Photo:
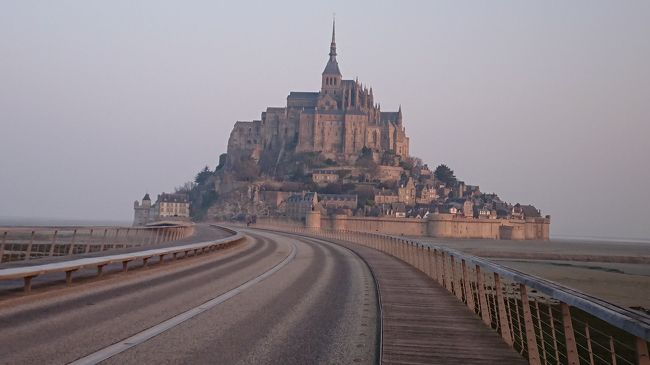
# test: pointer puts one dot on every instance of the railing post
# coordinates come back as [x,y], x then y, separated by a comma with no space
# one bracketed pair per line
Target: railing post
[429,267]
[512,330]
[436,267]
[589,348]
[102,246]
[612,350]
[126,238]
[642,357]
[541,332]
[555,347]
[407,251]
[414,254]
[29,246]
[136,237]
[423,259]
[482,299]
[2,245]
[89,242]
[56,231]
[458,275]
[444,273]
[531,338]
[452,278]
[511,322]
[469,293]
[569,335]
[74,237]
[397,247]
[145,237]
[117,235]
[503,316]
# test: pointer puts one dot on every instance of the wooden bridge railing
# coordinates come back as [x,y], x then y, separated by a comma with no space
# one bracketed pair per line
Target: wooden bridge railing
[27,243]
[545,322]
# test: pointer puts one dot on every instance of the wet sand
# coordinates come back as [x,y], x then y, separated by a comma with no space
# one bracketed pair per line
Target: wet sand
[618,272]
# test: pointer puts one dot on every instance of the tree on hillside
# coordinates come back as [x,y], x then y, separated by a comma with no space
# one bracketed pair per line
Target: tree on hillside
[445,174]
[185,188]
[365,194]
[366,162]
[203,175]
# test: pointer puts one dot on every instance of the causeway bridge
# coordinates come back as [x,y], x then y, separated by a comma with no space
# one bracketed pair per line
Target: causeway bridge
[182,293]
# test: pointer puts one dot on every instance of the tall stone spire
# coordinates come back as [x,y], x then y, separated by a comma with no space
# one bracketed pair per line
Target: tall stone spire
[333,44]
[332,67]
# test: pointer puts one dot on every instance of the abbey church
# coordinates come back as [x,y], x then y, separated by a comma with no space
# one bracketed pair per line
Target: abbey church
[338,122]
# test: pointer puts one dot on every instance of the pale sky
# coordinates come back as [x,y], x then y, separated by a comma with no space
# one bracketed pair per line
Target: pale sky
[542,102]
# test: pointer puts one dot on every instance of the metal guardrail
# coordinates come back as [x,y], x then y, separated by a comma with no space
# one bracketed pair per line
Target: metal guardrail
[27,273]
[545,322]
[28,243]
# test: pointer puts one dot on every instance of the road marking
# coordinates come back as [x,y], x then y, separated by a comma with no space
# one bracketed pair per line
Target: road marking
[149,333]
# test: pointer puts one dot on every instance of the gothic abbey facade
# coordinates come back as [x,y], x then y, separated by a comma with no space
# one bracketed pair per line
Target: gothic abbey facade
[338,121]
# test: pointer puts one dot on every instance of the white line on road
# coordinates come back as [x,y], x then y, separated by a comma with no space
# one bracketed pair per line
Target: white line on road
[147,334]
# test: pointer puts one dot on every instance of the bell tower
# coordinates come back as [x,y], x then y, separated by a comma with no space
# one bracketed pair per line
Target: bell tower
[331,78]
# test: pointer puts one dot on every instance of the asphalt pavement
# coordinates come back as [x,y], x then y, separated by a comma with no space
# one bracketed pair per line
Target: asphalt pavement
[279,300]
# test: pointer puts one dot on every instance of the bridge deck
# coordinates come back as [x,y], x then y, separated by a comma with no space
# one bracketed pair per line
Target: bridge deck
[424,324]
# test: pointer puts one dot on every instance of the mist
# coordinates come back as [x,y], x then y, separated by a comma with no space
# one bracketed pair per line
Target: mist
[545,103]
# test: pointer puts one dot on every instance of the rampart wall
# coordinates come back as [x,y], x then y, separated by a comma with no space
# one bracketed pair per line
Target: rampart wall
[436,225]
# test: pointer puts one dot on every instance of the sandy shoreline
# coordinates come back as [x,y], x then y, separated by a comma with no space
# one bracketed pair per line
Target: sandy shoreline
[618,272]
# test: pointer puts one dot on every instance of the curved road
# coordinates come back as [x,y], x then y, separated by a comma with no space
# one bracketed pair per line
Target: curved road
[275,299]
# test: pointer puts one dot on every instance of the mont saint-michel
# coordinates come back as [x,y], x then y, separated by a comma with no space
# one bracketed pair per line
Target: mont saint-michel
[334,159]
[337,123]
[227,183]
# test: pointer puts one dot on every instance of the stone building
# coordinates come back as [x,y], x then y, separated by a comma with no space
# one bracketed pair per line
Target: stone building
[385,197]
[425,194]
[389,173]
[338,121]
[142,212]
[297,205]
[324,176]
[347,201]
[167,207]
[172,205]
[406,193]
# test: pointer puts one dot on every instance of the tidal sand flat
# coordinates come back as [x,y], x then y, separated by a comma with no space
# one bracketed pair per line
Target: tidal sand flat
[618,272]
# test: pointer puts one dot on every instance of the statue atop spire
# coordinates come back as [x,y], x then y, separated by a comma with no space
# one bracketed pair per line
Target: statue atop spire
[333,44]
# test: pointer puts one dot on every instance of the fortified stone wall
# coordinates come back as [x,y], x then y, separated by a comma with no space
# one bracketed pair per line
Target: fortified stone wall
[437,225]
[387,225]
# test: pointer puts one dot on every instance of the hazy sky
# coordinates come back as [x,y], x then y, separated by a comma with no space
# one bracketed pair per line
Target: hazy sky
[543,102]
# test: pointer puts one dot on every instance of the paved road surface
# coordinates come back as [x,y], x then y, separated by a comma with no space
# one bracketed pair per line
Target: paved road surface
[309,311]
